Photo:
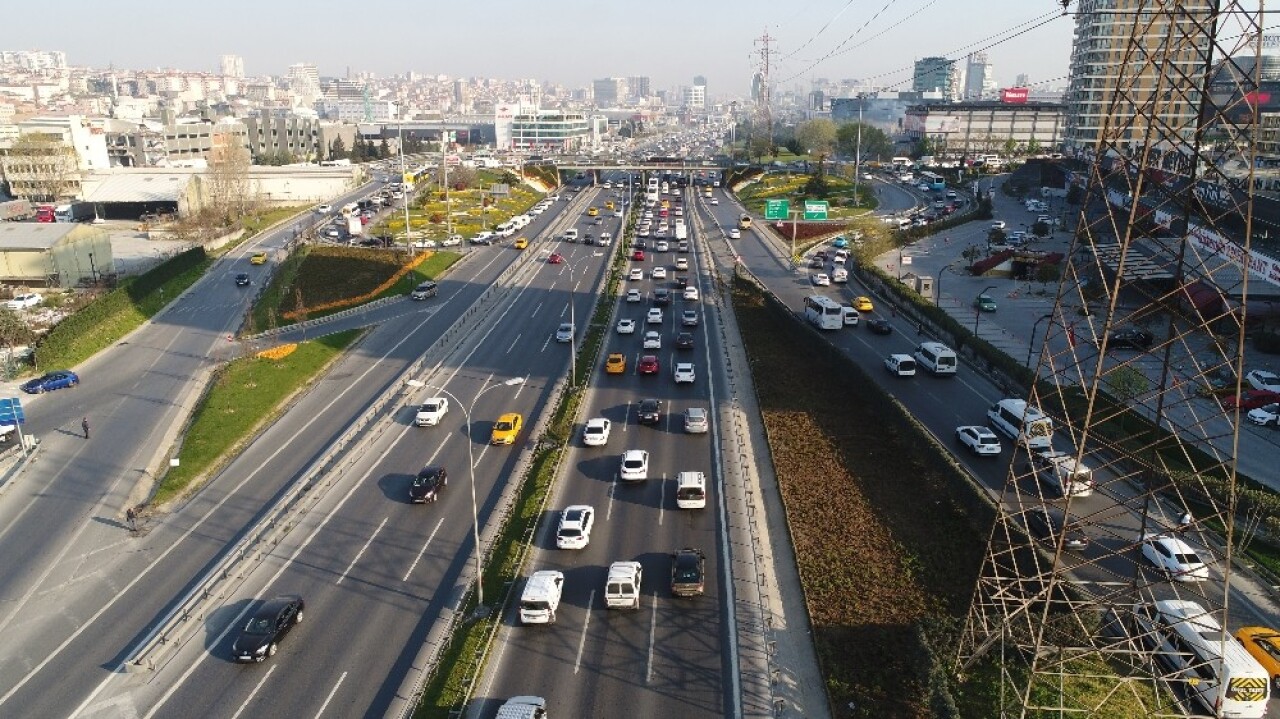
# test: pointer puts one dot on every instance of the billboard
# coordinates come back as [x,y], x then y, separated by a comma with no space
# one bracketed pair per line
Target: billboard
[1013,95]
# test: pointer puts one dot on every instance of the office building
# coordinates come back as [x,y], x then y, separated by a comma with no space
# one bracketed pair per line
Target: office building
[608,91]
[232,66]
[932,74]
[979,82]
[304,84]
[973,128]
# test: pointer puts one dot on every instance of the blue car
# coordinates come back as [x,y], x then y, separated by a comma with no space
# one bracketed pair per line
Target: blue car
[840,243]
[51,381]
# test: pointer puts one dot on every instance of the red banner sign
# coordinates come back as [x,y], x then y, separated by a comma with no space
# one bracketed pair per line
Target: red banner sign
[1016,95]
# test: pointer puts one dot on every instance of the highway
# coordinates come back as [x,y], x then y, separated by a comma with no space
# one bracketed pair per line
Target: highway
[669,657]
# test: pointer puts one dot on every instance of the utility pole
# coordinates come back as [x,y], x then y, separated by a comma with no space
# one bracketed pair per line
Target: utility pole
[764,101]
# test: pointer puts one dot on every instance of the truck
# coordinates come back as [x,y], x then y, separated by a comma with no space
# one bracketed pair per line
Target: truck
[74,212]
[44,213]
[16,210]
[355,227]
[682,232]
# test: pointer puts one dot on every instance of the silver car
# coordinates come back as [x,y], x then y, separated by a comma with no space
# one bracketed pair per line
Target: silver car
[695,420]
[564,333]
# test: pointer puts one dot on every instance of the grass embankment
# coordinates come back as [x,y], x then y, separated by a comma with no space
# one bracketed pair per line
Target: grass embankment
[431,211]
[246,394]
[839,193]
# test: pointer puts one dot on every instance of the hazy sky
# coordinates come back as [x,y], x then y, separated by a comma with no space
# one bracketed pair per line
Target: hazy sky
[564,41]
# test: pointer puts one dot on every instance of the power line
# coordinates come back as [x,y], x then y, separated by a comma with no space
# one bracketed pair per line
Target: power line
[821,30]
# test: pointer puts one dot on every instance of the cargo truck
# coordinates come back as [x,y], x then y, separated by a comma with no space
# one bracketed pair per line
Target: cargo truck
[16,210]
[44,213]
[74,212]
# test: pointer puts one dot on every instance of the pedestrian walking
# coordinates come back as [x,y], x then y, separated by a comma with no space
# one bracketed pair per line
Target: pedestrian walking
[131,516]
[919,331]
[84,425]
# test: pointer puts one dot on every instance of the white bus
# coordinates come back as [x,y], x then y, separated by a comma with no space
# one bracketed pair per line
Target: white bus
[823,312]
[350,208]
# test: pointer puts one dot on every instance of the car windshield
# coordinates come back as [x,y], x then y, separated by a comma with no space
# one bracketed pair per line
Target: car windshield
[430,407]
[633,464]
[1187,559]
[570,532]
[258,625]
[503,426]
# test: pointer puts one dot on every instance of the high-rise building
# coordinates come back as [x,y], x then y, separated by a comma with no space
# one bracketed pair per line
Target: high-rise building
[1105,35]
[978,80]
[609,91]
[232,66]
[304,83]
[932,74]
[695,96]
[1020,80]
[640,86]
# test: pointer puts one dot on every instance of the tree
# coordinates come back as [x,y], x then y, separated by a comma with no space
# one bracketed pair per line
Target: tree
[229,189]
[1033,146]
[1126,383]
[818,138]
[760,146]
[875,143]
[1040,229]
[338,149]
[1048,272]
[1010,146]
[794,146]
[384,150]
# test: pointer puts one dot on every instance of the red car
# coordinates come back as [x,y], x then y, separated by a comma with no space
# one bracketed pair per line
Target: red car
[637,255]
[555,258]
[648,364]
[1251,399]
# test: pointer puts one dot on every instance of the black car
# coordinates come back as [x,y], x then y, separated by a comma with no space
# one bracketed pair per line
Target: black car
[639,245]
[1130,339]
[682,282]
[684,341]
[688,572]
[817,263]
[650,411]
[261,635]
[661,297]
[426,487]
[880,326]
[1046,525]
[242,279]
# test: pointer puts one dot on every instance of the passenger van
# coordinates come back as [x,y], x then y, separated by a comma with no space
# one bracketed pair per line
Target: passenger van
[1213,666]
[691,490]
[1024,424]
[622,586]
[937,358]
[541,597]
[1062,472]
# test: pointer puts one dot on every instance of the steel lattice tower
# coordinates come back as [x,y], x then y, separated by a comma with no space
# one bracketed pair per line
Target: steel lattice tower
[1163,114]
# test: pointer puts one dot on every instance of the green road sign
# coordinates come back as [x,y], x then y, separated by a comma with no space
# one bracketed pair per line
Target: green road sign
[815,209]
[776,209]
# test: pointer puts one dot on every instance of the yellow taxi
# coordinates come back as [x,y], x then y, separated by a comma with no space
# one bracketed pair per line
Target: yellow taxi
[1264,644]
[616,363]
[862,304]
[666,204]
[258,258]
[521,243]
[592,212]
[609,205]
[506,429]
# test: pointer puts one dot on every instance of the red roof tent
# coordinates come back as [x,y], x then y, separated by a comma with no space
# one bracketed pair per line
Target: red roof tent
[981,266]
[1206,300]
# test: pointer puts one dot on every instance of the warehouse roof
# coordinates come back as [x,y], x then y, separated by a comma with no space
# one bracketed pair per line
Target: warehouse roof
[33,235]
[140,187]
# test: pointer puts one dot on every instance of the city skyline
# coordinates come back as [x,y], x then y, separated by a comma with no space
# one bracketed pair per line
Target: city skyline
[820,39]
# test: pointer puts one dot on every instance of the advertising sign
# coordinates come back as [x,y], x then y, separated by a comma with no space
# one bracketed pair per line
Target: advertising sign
[1013,95]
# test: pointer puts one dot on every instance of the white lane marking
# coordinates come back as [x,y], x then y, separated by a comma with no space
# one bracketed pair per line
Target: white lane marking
[547,343]
[254,693]
[514,342]
[582,641]
[360,553]
[653,627]
[331,693]
[535,310]
[423,550]
[613,489]
[662,499]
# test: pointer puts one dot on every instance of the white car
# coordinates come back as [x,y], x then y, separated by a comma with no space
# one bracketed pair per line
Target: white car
[691,293]
[1174,557]
[431,412]
[998,225]
[633,296]
[596,433]
[695,420]
[324,209]
[684,373]
[452,241]
[715,201]
[574,531]
[1258,379]
[652,340]
[735,234]
[655,316]
[662,246]
[980,440]
[682,263]
[23,301]
[636,275]
[821,280]
[689,318]
[565,332]
[626,327]
[659,273]
[1265,415]
[635,465]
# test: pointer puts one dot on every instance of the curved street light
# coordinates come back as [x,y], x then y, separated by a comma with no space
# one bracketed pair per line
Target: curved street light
[471,461]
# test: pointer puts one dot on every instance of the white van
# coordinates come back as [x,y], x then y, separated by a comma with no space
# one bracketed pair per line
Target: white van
[937,358]
[1213,666]
[900,365]
[691,490]
[541,597]
[1062,472]
[622,587]
[571,234]
[850,316]
[1024,424]
[524,707]
[839,275]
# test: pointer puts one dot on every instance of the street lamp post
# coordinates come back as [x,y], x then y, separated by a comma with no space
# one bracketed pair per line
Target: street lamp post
[471,463]
[1032,343]
[573,335]
[937,285]
[977,310]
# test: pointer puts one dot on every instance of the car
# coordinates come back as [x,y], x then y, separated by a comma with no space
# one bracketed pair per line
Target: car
[689,318]
[821,280]
[715,201]
[1262,379]
[424,290]
[1047,526]
[654,317]
[817,263]
[333,233]
[684,373]
[506,429]
[661,246]
[634,465]
[428,484]
[592,211]
[30,299]
[688,572]
[659,273]
[324,209]
[634,296]
[863,304]
[984,303]
[520,243]
[588,239]
[636,275]
[270,623]
[648,364]
[50,381]
[695,420]
[617,213]
[1133,339]
[900,365]
[691,293]
[735,233]
[574,530]
[555,258]
[661,297]
[452,241]
[616,363]
[627,327]
[998,225]
[652,340]
[840,243]
[638,255]
[649,411]
[980,440]
[684,341]
[242,280]
[1268,414]
[431,411]
[1264,644]
[596,432]
[258,258]
[682,264]
[564,333]
[1250,399]
[1174,557]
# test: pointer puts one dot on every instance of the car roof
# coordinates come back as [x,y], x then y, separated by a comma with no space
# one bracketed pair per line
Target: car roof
[634,454]
[597,422]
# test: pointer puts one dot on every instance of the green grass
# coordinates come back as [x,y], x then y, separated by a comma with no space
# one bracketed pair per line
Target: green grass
[245,394]
[257,222]
[432,268]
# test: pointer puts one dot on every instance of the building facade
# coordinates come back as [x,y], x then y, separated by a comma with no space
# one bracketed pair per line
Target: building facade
[609,91]
[968,128]
[932,74]
[550,131]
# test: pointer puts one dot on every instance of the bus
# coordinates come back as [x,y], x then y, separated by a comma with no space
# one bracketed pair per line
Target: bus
[823,312]
[933,180]
[902,163]
[350,208]
[744,222]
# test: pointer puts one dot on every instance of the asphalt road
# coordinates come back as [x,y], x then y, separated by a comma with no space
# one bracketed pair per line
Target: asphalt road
[669,657]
